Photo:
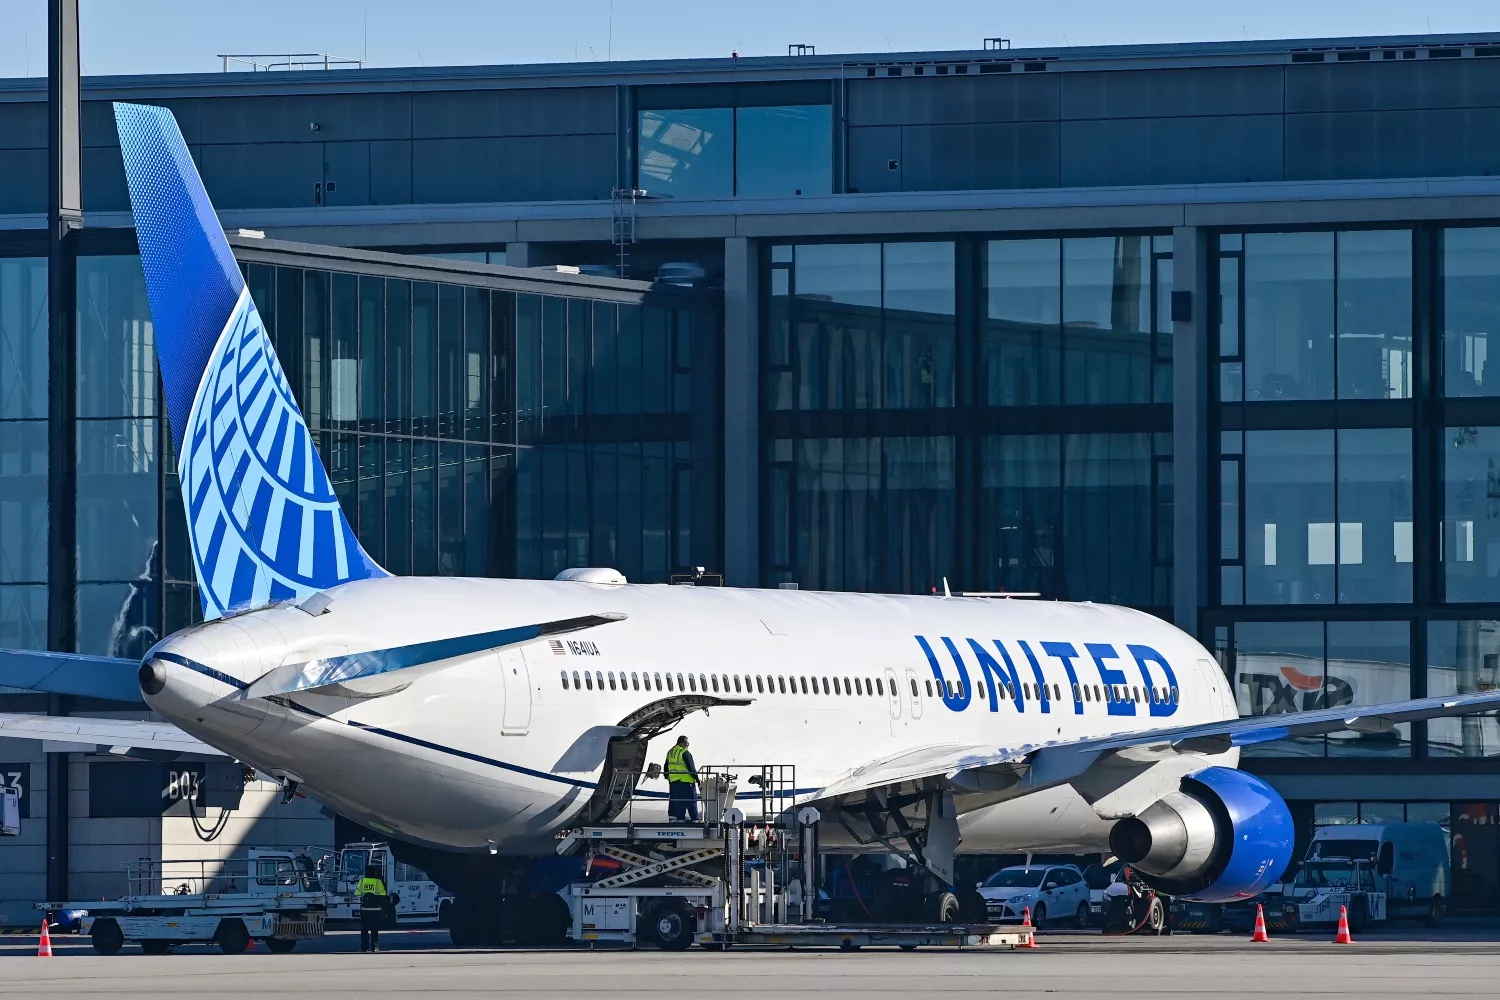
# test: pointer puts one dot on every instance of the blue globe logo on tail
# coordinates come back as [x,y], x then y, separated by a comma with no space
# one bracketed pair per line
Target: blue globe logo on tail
[263,521]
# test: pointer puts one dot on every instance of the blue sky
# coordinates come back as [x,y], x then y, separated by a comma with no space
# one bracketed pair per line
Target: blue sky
[168,36]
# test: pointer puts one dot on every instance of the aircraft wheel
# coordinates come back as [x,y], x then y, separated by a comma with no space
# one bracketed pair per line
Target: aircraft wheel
[547,921]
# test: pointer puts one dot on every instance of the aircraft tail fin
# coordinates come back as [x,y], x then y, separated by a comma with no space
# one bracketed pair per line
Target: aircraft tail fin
[263,521]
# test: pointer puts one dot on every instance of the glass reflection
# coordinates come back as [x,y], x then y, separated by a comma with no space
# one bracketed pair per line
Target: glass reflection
[784,151]
[1107,313]
[23,338]
[1021,350]
[1471,310]
[687,154]
[1284,667]
[1289,321]
[117,494]
[918,300]
[1107,512]
[23,617]
[1374,315]
[116,345]
[1471,513]
[1374,535]
[1463,657]
[23,501]
[1278,668]
[1021,491]
[1369,663]
[873,514]
[1290,546]
[872,327]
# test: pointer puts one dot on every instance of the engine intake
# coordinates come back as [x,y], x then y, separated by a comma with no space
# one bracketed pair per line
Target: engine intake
[1223,835]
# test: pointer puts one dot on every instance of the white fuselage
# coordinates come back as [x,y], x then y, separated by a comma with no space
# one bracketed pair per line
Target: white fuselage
[499,750]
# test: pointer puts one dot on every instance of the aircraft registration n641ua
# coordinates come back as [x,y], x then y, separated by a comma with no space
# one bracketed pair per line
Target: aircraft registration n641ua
[472,719]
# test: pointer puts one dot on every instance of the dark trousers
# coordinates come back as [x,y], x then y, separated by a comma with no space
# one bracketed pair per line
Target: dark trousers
[683,802]
[371,919]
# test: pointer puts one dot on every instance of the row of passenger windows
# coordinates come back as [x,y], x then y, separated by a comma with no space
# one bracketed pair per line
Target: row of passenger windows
[781,684]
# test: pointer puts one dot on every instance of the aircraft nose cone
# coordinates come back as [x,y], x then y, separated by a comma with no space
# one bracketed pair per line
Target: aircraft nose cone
[152,678]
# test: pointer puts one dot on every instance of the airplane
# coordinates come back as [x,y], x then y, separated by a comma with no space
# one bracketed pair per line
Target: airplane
[472,720]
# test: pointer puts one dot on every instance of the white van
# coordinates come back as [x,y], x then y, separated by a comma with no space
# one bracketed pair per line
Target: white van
[1395,869]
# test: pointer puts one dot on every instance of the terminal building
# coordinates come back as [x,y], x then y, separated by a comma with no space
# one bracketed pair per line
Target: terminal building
[1200,329]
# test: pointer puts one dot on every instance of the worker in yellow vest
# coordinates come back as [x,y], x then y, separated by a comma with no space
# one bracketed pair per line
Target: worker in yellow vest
[682,783]
[372,900]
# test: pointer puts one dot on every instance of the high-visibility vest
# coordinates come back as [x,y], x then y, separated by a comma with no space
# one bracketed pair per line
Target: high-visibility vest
[371,887]
[677,769]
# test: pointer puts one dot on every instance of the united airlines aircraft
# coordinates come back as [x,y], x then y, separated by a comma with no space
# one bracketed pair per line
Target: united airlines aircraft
[470,720]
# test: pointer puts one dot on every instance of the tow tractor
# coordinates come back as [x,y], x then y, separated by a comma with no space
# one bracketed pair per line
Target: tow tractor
[745,875]
[1322,886]
[417,897]
[273,896]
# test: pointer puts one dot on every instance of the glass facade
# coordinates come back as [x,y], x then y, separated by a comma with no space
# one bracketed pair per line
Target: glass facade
[780,151]
[23,452]
[902,401]
[484,429]
[1357,548]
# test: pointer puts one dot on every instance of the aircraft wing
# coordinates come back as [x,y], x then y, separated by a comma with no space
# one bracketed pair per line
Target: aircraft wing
[980,773]
[121,737]
[71,673]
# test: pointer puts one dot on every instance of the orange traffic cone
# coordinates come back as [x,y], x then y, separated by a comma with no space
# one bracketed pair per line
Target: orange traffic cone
[1028,931]
[44,946]
[1260,925]
[1342,937]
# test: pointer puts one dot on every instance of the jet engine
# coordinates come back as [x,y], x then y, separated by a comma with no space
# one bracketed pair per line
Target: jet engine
[1223,835]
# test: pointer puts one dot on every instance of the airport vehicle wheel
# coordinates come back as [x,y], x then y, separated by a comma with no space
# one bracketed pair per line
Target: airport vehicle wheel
[107,938]
[445,913]
[1156,918]
[1039,916]
[281,946]
[1358,909]
[945,908]
[231,937]
[1081,918]
[972,908]
[847,945]
[908,947]
[155,947]
[672,925]
[1435,911]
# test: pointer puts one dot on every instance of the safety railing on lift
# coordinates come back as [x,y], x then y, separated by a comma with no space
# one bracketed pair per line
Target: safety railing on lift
[762,792]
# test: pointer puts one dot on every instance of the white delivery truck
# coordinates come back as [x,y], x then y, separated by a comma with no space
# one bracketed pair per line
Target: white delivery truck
[273,896]
[1378,871]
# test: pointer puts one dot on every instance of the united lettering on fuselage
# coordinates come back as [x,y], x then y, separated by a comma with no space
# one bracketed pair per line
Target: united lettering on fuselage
[998,678]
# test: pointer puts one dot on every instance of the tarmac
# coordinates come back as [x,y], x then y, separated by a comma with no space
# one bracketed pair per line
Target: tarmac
[1444,963]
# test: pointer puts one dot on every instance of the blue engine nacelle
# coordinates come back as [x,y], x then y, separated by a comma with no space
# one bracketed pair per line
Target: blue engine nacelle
[1224,835]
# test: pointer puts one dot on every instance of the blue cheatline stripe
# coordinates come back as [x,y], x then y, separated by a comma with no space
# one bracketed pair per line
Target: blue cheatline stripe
[426,744]
[196,667]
